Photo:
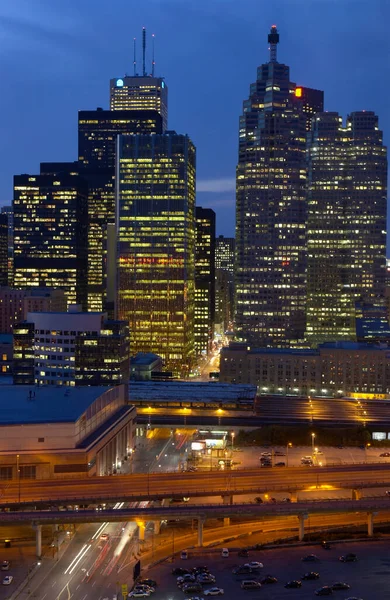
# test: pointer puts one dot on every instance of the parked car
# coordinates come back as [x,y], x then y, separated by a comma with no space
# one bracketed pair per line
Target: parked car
[200,569]
[180,571]
[348,557]
[242,570]
[250,584]
[254,565]
[259,500]
[280,464]
[340,585]
[286,499]
[205,578]
[243,552]
[8,579]
[310,558]
[189,588]
[225,553]
[293,584]
[268,579]
[325,590]
[149,582]
[279,453]
[142,588]
[5,565]
[185,579]
[184,554]
[139,594]
[385,454]
[311,575]
[214,591]
[325,545]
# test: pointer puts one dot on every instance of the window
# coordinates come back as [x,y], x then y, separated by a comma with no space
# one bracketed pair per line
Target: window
[41,439]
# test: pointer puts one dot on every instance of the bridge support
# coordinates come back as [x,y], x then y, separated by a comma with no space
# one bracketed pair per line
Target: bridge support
[141,531]
[356,494]
[301,532]
[227,499]
[38,540]
[157,527]
[370,523]
[294,496]
[201,522]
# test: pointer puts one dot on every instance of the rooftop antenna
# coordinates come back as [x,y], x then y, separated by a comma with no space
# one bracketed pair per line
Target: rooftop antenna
[135,58]
[143,50]
[273,40]
[153,61]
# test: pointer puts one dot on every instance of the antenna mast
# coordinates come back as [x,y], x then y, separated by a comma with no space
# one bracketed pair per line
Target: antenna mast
[143,51]
[153,61]
[273,40]
[135,58]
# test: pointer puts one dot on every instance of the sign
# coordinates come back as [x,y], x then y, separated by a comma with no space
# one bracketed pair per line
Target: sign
[125,590]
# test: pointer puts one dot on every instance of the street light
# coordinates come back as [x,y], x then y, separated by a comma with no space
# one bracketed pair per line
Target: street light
[313,435]
[18,472]
[232,434]
[288,445]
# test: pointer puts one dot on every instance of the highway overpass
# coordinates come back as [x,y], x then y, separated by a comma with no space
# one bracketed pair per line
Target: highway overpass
[157,486]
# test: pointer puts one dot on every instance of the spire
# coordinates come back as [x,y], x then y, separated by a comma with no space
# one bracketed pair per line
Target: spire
[143,51]
[273,40]
[153,61]
[134,58]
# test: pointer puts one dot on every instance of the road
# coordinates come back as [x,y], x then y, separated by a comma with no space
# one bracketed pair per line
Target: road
[165,485]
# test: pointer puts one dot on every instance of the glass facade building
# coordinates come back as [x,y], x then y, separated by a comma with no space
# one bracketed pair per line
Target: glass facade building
[50,234]
[347,191]
[271,210]
[3,249]
[204,279]
[97,133]
[140,93]
[156,245]
[224,281]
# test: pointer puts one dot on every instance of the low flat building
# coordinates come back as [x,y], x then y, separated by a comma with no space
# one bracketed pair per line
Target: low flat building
[144,364]
[62,432]
[6,354]
[338,368]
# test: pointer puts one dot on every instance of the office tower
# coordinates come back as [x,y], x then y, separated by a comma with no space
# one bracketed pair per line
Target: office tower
[50,234]
[224,282]
[204,279]
[347,190]
[97,133]
[15,304]
[156,245]
[140,92]
[271,209]
[71,348]
[3,249]
[312,102]
[8,211]
[372,323]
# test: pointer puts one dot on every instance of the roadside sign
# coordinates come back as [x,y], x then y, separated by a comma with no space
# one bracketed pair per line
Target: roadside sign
[125,590]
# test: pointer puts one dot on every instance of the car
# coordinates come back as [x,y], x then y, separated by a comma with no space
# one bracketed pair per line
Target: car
[286,499]
[326,545]
[318,452]
[388,493]
[214,591]
[254,565]
[325,590]
[140,588]
[244,553]
[268,579]
[139,594]
[104,537]
[205,578]
[310,558]
[185,579]
[279,453]
[266,454]
[195,598]
[250,584]
[385,454]
[225,553]
[353,598]
[180,571]
[8,579]
[242,570]
[149,582]
[311,575]
[192,587]
[192,469]
[293,584]
[308,457]
[272,500]
[350,557]
[266,464]
[259,500]
[340,585]
[200,569]
[340,447]
[280,464]
[184,554]
[5,565]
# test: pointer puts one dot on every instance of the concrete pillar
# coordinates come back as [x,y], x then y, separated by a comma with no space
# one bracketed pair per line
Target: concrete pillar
[157,527]
[301,532]
[294,496]
[370,523]
[141,531]
[200,532]
[227,499]
[356,494]
[38,540]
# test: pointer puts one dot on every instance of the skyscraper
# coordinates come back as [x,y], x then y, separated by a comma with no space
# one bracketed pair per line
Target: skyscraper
[140,92]
[97,133]
[224,282]
[156,245]
[271,209]
[50,234]
[204,279]
[347,191]
[3,249]
[8,211]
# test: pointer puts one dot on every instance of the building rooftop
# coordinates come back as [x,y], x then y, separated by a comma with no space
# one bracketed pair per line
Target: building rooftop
[50,405]
[190,391]
[144,358]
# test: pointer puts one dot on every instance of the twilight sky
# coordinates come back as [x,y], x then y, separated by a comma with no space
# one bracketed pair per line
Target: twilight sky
[58,56]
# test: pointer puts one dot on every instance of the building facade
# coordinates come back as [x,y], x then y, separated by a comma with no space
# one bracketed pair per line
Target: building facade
[50,234]
[71,349]
[4,249]
[271,209]
[224,282]
[9,212]
[156,245]
[15,304]
[338,368]
[204,317]
[346,232]
[140,92]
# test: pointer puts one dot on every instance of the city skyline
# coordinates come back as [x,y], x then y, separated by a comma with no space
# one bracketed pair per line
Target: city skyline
[82,82]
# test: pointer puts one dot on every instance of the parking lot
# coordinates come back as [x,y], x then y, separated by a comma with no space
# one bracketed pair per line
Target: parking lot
[369,577]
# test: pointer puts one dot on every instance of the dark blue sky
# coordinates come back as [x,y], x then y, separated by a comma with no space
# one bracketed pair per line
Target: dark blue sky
[57,57]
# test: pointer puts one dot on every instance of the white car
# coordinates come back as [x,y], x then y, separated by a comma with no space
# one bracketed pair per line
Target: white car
[139,594]
[8,579]
[205,578]
[255,565]
[104,537]
[214,591]
[187,578]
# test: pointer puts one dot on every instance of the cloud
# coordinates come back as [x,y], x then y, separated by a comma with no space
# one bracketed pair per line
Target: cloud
[227,184]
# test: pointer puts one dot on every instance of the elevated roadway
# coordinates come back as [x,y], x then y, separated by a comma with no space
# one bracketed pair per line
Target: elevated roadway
[155,486]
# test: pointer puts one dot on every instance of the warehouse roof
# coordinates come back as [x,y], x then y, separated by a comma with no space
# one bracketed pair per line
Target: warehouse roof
[155,391]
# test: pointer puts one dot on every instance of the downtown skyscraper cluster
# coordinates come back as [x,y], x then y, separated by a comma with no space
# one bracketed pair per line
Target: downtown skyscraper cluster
[310,214]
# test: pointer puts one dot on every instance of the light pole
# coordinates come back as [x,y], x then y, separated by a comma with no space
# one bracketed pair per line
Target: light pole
[18,475]
[232,440]
[288,446]
[313,437]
